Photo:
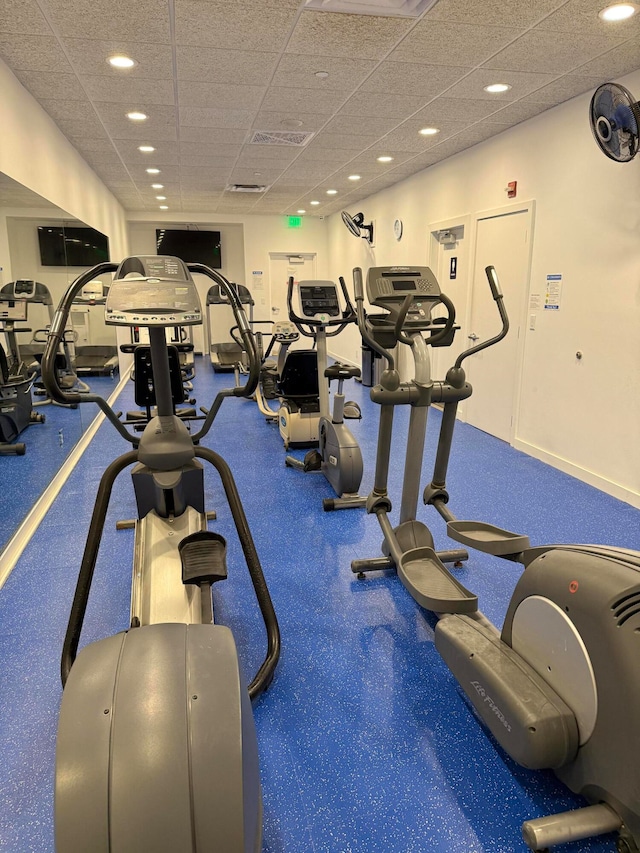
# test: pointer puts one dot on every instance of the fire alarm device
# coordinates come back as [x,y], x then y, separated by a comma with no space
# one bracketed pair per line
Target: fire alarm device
[512,187]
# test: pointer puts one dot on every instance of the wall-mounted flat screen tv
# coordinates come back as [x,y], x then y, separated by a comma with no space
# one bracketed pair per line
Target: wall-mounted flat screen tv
[72,247]
[193,247]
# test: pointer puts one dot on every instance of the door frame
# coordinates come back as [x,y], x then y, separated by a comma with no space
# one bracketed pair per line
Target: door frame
[527,206]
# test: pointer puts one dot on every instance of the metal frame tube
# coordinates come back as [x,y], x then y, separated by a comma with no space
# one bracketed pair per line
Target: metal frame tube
[160,367]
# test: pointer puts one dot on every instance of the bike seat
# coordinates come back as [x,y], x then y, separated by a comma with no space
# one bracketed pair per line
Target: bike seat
[341,371]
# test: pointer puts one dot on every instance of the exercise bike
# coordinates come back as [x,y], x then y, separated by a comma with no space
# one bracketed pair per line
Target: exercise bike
[558,688]
[338,455]
[16,404]
[156,745]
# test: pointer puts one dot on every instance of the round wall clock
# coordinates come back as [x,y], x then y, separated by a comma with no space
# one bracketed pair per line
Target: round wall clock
[397,229]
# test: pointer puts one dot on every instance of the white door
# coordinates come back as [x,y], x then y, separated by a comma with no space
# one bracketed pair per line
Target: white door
[281,267]
[503,241]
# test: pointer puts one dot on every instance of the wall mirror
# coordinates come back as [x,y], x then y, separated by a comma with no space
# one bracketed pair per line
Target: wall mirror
[41,243]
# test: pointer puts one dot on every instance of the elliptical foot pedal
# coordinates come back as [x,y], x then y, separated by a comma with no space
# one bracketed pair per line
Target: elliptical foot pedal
[432,585]
[204,558]
[487,538]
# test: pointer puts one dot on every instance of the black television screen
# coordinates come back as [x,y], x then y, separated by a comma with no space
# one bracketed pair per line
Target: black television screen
[72,247]
[193,247]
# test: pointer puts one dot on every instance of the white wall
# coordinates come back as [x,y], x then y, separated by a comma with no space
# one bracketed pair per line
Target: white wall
[246,242]
[581,415]
[34,152]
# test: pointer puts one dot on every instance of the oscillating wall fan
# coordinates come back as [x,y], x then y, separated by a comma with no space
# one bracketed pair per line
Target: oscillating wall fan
[615,120]
[356,226]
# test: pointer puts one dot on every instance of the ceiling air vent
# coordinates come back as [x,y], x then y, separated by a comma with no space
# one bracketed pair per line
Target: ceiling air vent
[299,138]
[396,8]
[247,188]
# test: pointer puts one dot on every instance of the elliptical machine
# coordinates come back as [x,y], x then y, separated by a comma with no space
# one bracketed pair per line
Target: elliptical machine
[156,741]
[558,688]
[338,455]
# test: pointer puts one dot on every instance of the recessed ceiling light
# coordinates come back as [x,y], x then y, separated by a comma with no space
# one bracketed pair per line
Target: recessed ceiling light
[618,12]
[121,61]
[315,202]
[354,177]
[161,197]
[292,122]
[153,171]
[157,186]
[332,192]
[495,88]
[429,131]
[136,116]
[385,159]
[301,211]
[164,207]
[146,149]
[322,74]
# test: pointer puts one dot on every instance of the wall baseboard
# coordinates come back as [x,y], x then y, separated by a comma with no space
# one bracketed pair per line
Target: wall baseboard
[607,486]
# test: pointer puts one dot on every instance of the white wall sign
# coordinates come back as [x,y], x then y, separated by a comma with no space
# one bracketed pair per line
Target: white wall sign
[257,280]
[553,293]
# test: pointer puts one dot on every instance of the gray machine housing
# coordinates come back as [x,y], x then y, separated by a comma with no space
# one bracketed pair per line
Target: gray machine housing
[145,716]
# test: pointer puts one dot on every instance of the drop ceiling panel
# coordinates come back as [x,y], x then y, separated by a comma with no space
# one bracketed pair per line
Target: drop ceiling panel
[582,16]
[465,111]
[407,138]
[213,65]
[211,117]
[522,83]
[238,26]
[364,37]
[500,13]
[299,71]
[89,56]
[444,43]
[384,105]
[424,81]
[34,53]
[22,16]
[561,90]
[614,63]
[119,18]
[321,101]
[213,135]
[282,120]
[121,90]
[44,84]
[552,52]
[219,95]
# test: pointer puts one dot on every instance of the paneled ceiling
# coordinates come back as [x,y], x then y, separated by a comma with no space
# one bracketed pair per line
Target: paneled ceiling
[210,73]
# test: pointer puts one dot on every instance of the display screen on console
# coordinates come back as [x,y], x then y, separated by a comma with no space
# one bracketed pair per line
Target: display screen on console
[404,285]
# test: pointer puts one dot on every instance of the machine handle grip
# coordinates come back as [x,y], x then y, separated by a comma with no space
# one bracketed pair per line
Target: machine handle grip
[496,292]
[361,316]
[494,284]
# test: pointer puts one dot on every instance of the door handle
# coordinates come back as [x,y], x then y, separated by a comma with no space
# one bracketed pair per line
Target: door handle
[473,337]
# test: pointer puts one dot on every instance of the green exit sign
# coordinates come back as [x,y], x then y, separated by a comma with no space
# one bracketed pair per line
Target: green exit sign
[294,221]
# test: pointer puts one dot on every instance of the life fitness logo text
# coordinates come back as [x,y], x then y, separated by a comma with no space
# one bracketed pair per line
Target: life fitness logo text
[482,693]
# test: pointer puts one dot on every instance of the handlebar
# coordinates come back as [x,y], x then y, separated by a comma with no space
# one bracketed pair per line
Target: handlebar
[348,315]
[498,298]
[57,332]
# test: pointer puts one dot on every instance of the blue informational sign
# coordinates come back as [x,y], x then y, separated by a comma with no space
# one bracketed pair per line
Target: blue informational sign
[453,268]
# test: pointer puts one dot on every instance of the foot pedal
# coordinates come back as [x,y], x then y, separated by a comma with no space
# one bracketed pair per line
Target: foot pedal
[432,585]
[204,558]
